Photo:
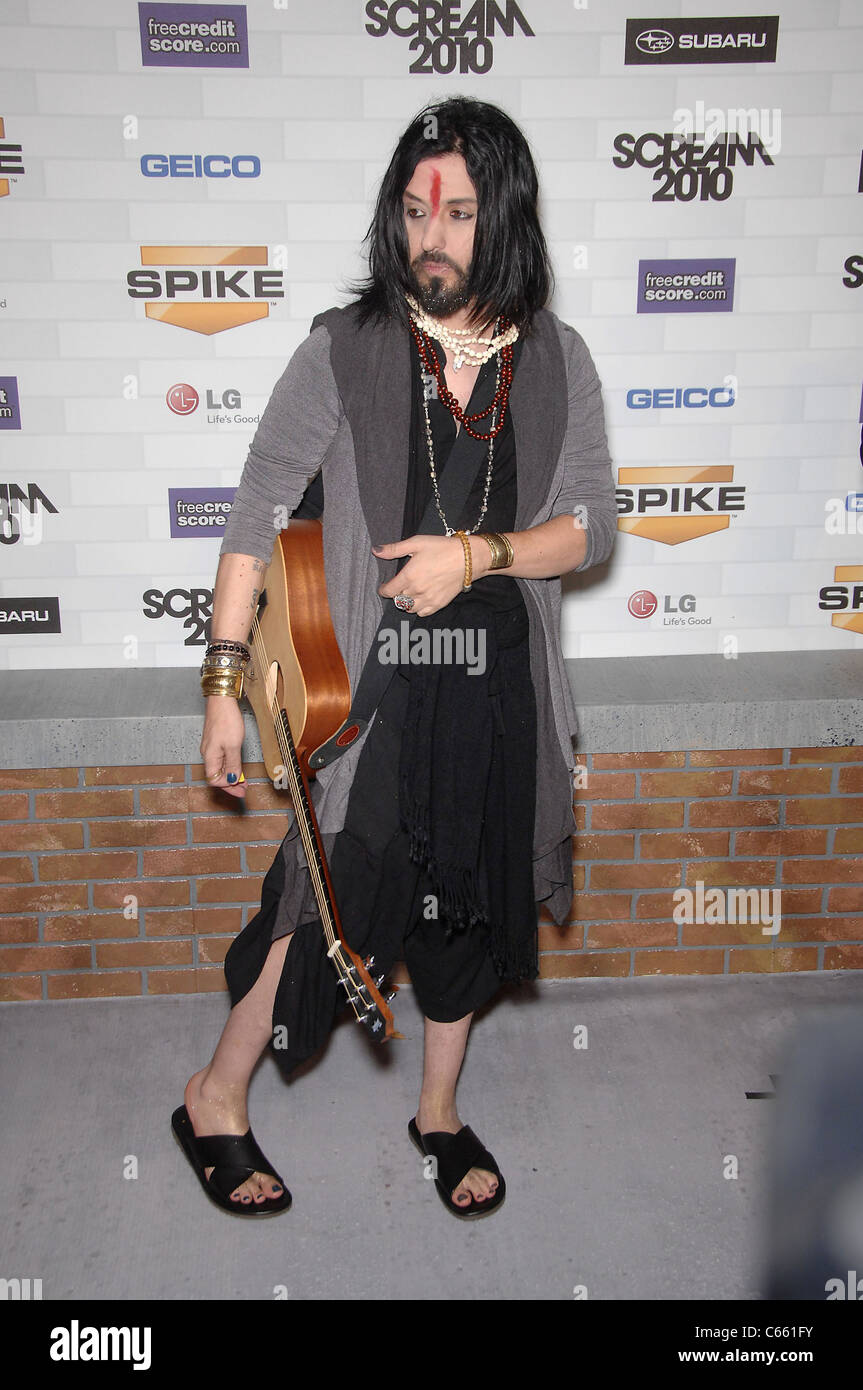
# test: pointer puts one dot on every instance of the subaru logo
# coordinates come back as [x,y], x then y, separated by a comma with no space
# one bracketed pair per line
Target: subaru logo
[655,41]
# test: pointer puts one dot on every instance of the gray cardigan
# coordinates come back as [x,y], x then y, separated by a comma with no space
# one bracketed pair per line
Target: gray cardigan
[306,426]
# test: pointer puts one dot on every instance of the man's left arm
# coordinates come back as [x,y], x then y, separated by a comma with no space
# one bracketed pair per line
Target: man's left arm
[583,525]
[580,531]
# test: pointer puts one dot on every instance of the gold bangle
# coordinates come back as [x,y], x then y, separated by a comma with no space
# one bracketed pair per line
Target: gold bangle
[501,550]
[223,685]
[468,559]
[498,554]
[224,663]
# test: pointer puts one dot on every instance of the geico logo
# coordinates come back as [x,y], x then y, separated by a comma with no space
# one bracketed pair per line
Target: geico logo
[200,166]
[673,398]
[209,284]
[178,603]
[675,150]
[680,500]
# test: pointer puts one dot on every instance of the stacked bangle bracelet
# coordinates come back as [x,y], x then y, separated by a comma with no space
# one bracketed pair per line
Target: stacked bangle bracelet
[223,667]
[501,552]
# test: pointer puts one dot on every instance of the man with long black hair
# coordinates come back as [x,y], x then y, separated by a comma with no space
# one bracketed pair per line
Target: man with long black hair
[450,427]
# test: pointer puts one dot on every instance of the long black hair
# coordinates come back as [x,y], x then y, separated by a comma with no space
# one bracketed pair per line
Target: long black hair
[510,271]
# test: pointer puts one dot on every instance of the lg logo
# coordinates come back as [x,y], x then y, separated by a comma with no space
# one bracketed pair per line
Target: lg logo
[182,398]
[642,604]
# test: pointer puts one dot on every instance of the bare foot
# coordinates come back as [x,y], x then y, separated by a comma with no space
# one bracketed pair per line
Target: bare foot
[213,1111]
[478,1182]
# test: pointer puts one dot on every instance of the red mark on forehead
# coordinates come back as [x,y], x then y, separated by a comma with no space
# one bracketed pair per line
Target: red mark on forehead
[435,192]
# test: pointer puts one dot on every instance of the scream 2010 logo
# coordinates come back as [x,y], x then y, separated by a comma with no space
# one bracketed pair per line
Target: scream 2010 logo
[445,40]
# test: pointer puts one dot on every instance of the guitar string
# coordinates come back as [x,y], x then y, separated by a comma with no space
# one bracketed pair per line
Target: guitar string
[310,846]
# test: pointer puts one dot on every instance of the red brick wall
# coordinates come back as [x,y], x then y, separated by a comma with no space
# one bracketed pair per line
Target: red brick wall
[76,843]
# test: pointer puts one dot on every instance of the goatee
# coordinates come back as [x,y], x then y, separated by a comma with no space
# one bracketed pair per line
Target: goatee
[440,295]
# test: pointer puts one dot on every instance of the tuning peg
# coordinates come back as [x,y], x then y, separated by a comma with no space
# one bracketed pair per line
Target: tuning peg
[379,980]
[370,960]
[390,997]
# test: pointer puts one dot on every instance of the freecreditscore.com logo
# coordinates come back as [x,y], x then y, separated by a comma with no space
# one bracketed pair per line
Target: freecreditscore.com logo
[228,286]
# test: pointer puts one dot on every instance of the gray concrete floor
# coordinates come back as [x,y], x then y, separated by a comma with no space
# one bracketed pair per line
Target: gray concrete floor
[613,1155]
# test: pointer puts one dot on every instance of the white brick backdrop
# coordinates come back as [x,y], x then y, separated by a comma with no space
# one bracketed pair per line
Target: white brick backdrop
[321,105]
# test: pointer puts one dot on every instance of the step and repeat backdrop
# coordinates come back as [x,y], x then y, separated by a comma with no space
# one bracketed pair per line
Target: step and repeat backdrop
[184,186]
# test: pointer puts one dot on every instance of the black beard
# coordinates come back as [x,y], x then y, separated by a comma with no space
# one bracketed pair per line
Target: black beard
[439,297]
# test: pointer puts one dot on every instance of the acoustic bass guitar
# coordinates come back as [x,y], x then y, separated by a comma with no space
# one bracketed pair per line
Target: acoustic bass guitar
[299,691]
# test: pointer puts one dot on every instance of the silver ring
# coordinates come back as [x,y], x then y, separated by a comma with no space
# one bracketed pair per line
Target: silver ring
[403,602]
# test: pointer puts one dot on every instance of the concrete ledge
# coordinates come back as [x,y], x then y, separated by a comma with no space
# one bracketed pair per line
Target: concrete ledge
[625,705]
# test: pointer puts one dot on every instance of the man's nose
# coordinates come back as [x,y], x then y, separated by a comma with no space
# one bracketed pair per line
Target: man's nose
[434,232]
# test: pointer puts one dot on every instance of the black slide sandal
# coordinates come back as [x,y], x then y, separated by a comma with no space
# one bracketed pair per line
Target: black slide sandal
[233,1158]
[456,1154]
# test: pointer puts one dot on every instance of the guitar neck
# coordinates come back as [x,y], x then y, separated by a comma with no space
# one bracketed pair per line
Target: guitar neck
[309,832]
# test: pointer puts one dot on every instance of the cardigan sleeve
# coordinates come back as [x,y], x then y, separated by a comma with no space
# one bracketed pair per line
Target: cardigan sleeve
[587,477]
[291,442]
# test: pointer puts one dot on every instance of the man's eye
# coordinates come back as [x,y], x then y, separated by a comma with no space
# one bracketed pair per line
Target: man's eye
[462,215]
[413,212]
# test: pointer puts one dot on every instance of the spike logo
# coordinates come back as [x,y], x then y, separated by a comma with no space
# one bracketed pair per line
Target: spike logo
[846,596]
[10,160]
[672,505]
[206,289]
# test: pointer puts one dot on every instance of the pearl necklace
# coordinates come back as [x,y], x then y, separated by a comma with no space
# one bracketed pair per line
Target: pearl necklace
[462,343]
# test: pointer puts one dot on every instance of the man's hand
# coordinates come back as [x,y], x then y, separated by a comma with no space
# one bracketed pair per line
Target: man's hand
[222,742]
[435,572]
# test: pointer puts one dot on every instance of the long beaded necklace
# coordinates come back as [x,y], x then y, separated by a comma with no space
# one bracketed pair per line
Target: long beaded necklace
[429,359]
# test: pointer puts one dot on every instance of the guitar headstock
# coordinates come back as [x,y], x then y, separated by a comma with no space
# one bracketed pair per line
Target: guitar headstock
[369,1005]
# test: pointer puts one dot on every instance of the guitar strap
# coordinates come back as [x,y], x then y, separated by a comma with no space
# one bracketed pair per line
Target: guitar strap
[467,459]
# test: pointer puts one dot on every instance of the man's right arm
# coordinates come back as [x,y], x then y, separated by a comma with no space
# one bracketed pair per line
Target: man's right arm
[289,447]
[290,444]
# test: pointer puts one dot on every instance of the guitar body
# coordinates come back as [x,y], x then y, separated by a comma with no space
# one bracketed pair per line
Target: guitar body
[298,687]
[306,668]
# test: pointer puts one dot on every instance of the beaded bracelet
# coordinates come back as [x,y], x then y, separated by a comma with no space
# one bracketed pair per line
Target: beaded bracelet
[226,645]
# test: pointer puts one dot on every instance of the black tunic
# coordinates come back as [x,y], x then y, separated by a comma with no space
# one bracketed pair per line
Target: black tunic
[380,893]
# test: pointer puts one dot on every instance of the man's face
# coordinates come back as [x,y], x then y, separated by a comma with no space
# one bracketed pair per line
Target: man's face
[440,219]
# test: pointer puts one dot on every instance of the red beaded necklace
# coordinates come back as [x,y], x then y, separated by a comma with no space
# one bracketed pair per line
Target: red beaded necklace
[429,359]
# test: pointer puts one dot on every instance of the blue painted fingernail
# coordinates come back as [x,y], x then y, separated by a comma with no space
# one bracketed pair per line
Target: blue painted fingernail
[232,777]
